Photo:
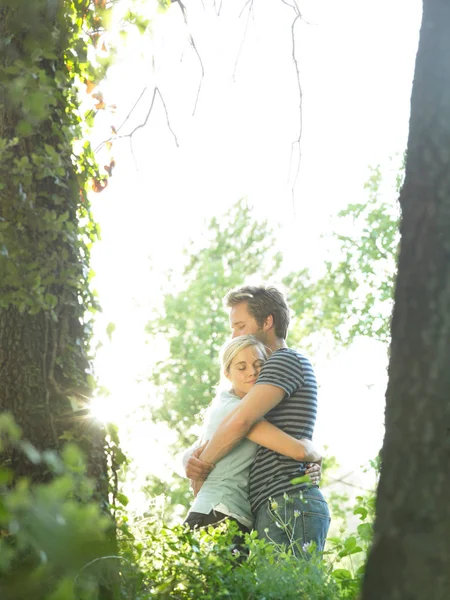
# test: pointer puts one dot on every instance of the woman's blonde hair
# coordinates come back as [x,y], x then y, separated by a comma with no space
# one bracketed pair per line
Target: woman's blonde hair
[231,348]
[227,353]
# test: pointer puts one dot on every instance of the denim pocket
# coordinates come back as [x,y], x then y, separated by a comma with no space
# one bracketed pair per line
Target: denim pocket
[315,528]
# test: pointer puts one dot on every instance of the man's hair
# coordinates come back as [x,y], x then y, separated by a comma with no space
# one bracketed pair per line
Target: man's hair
[231,349]
[262,302]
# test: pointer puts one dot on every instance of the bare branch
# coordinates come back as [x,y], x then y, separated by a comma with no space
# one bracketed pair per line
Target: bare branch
[136,165]
[144,123]
[249,3]
[296,143]
[194,47]
[294,6]
[342,480]
[245,6]
[100,146]
[141,125]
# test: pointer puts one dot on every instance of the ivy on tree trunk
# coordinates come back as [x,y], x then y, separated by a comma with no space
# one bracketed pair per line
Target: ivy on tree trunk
[45,235]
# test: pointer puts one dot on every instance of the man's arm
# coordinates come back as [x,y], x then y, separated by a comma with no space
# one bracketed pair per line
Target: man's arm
[272,437]
[193,467]
[189,452]
[260,399]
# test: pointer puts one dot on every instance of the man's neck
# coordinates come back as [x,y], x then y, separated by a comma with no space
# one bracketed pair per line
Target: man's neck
[277,343]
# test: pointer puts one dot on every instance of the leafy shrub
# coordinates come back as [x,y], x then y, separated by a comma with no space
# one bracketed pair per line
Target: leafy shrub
[56,544]
[181,564]
[48,531]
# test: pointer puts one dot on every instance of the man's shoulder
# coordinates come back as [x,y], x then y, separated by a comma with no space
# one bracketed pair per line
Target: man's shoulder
[290,354]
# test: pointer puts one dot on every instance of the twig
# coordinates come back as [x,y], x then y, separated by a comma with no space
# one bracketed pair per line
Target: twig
[245,6]
[300,116]
[295,8]
[191,41]
[144,123]
[342,480]
[124,121]
[249,3]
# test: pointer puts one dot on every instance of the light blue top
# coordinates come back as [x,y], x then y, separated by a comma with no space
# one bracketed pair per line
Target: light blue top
[226,488]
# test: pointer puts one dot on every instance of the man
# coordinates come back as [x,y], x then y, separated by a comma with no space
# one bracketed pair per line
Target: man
[286,395]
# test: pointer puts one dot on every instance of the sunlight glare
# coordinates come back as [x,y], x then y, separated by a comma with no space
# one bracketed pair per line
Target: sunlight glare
[106,410]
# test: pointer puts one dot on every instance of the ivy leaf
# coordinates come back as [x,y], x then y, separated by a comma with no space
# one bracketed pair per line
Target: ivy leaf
[90,86]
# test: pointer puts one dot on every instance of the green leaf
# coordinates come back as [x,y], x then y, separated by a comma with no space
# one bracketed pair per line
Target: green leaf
[365,531]
[6,476]
[363,512]
[122,499]
[111,327]
[341,574]
[24,128]
[302,479]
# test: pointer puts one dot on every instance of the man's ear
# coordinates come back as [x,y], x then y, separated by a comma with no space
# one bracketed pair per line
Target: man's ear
[268,323]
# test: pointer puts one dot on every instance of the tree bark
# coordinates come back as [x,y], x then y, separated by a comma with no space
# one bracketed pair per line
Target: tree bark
[43,333]
[410,557]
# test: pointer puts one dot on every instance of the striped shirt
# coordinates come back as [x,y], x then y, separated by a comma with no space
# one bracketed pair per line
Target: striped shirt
[271,473]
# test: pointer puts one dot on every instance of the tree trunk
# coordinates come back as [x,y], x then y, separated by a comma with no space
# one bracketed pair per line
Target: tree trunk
[43,263]
[410,558]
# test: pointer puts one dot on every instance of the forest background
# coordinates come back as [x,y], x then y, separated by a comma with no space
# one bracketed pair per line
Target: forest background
[239,144]
[189,102]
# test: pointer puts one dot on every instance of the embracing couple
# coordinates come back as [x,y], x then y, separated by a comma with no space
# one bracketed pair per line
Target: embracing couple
[257,435]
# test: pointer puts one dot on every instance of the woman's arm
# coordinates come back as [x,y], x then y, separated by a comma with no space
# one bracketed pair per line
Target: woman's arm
[267,435]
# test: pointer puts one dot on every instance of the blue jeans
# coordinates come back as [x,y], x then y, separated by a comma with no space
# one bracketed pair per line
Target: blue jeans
[295,520]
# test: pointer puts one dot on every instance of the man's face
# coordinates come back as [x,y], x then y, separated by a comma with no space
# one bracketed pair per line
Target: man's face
[243,323]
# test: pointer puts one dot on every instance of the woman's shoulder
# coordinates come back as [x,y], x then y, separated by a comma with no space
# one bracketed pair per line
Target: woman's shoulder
[223,402]
[225,398]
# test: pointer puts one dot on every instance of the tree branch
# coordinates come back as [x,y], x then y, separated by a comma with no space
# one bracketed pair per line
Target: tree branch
[249,3]
[296,143]
[149,112]
[191,41]
[141,125]
[100,146]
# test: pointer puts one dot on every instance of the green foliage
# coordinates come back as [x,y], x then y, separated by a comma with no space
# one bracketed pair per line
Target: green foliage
[347,554]
[55,544]
[182,564]
[46,228]
[48,532]
[354,296]
[194,322]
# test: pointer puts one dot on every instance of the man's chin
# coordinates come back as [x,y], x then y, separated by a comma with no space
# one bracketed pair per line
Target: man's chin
[261,336]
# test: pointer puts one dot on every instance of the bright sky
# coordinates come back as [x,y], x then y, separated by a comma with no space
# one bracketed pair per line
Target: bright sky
[356,61]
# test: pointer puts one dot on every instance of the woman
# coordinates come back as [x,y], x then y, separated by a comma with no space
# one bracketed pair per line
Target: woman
[225,491]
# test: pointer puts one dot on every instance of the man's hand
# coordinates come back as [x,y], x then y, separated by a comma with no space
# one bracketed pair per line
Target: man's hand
[196,486]
[196,469]
[314,470]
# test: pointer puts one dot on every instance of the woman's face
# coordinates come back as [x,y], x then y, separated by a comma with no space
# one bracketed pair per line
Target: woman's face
[244,369]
